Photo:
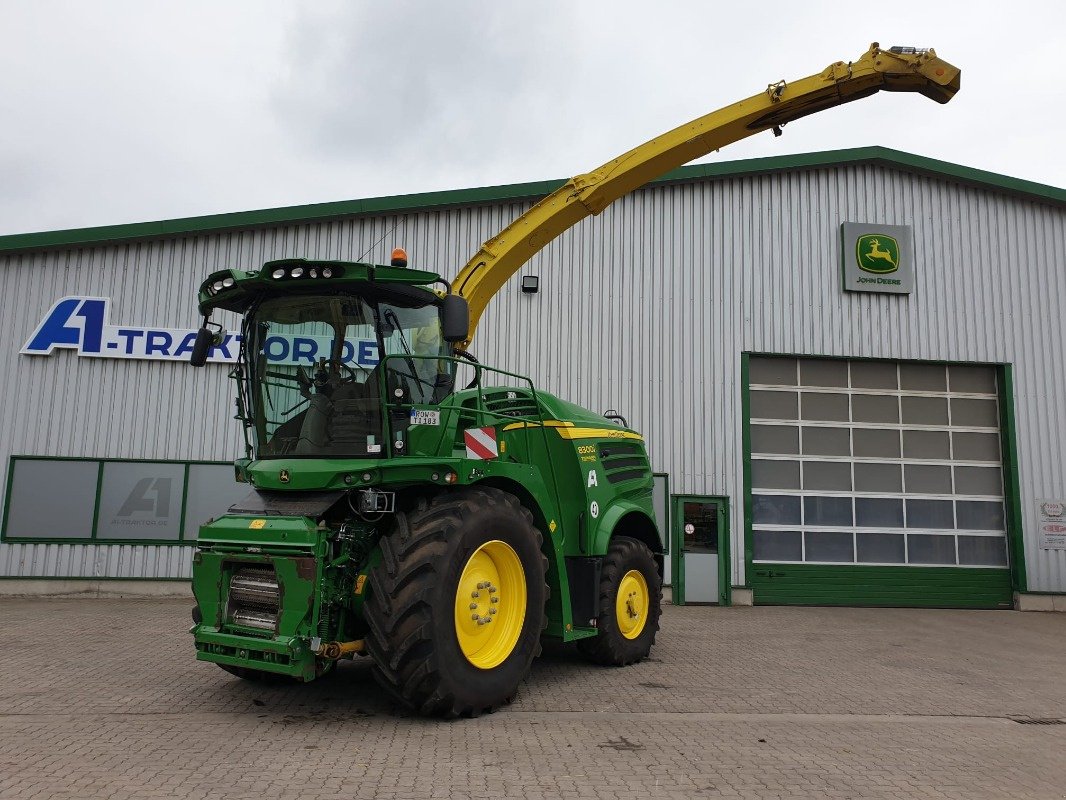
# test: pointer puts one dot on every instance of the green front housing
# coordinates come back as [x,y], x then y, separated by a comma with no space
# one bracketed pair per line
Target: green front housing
[583,478]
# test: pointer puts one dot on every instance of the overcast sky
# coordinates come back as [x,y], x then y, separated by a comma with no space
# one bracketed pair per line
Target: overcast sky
[116,112]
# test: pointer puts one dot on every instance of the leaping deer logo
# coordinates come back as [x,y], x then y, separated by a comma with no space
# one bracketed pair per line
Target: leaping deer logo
[877,253]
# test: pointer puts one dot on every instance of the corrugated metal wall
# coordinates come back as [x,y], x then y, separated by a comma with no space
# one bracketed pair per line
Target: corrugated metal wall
[95,561]
[645,309]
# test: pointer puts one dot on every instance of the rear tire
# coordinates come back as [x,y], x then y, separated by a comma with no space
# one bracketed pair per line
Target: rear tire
[428,651]
[630,605]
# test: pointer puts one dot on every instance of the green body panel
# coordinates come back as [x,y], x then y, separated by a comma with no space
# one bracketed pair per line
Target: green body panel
[278,533]
[582,477]
[929,587]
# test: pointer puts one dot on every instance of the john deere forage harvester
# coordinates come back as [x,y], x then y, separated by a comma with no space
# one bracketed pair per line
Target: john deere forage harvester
[443,531]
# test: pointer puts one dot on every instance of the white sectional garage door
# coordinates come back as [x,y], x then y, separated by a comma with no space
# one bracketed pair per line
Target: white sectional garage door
[875,464]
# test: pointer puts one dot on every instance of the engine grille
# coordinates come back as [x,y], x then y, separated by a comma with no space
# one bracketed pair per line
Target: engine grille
[624,461]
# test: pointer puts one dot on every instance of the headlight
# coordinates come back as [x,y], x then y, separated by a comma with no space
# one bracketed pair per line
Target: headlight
[327,272]
[297,272]
[217,286]
[278,273]
[227,282]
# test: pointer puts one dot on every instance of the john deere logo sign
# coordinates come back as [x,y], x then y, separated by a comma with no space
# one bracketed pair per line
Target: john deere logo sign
[877,258]
[877,253]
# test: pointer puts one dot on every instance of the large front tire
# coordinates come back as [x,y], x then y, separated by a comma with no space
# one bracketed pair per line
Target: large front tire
[456,606]
[630,605]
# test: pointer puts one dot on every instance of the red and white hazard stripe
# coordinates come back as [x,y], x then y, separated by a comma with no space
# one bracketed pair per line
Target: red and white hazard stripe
[481,443]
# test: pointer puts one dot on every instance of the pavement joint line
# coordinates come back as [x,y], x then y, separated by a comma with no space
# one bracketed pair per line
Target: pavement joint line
[504,716]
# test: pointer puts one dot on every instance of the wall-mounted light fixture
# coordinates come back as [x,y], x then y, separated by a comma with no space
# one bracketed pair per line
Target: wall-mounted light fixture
[530,284]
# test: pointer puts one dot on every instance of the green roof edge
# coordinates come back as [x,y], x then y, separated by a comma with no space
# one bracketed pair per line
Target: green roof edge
[516,192]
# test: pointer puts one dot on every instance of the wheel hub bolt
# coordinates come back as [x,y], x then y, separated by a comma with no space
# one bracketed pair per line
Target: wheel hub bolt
[474,595]
[494,599]
[492,610]
[492,590]
[473,606]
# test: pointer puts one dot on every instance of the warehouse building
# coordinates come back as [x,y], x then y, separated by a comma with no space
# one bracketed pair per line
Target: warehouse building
[848,367]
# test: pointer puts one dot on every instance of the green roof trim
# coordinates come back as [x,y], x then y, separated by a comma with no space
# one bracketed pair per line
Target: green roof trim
[517,192]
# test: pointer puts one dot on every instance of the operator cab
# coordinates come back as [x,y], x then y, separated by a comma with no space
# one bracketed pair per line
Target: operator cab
[315,378]
[325,346]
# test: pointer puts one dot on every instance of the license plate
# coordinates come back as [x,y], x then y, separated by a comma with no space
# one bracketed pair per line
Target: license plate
[425,416]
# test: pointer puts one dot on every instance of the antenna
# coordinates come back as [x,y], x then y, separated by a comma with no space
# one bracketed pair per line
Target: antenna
[387,233]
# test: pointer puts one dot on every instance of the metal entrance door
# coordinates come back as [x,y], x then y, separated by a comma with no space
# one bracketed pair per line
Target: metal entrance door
[701,549]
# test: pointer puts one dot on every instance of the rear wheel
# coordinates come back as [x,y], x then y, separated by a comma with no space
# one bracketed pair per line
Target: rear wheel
[456,606]
[630,605]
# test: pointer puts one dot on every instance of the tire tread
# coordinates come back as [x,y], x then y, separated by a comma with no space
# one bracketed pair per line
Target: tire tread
[609,647]
[399,608]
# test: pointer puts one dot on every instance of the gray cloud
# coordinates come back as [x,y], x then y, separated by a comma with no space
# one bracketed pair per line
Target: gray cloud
[124,111]
[418,83]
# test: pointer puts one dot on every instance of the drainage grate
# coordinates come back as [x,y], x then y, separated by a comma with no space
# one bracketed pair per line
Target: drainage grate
[1041,721]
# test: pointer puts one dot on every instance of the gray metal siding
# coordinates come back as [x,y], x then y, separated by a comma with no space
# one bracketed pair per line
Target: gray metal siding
[646,309]
[95,561]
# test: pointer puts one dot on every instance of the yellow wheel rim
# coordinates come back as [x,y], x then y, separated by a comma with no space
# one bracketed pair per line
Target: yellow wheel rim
[490,604]
[632,604]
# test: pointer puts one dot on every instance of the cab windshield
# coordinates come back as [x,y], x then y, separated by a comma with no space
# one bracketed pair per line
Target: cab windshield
[314,372]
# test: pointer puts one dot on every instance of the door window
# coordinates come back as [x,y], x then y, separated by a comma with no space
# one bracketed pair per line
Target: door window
[701,527]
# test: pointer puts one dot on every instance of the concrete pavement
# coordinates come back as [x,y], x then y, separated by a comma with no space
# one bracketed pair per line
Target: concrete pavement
[102,698]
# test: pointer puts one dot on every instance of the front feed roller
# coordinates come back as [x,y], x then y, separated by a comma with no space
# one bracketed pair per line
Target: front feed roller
[254,598]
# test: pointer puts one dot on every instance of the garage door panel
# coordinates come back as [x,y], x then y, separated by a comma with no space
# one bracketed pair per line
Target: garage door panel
[915,587]
[864,471]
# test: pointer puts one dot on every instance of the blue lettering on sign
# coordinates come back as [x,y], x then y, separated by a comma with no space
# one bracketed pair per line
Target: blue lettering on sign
[81,324]
[56,331]
[276,348]
[223,347]
[130,336]
[186,344]
[304,349]
[158,342]
[294,350]
[368,353]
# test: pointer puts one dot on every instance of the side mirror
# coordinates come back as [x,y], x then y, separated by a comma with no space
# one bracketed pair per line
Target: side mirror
[201,346]
[454,318]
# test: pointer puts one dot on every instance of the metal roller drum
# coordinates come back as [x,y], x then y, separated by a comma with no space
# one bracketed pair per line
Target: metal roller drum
[257,588]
